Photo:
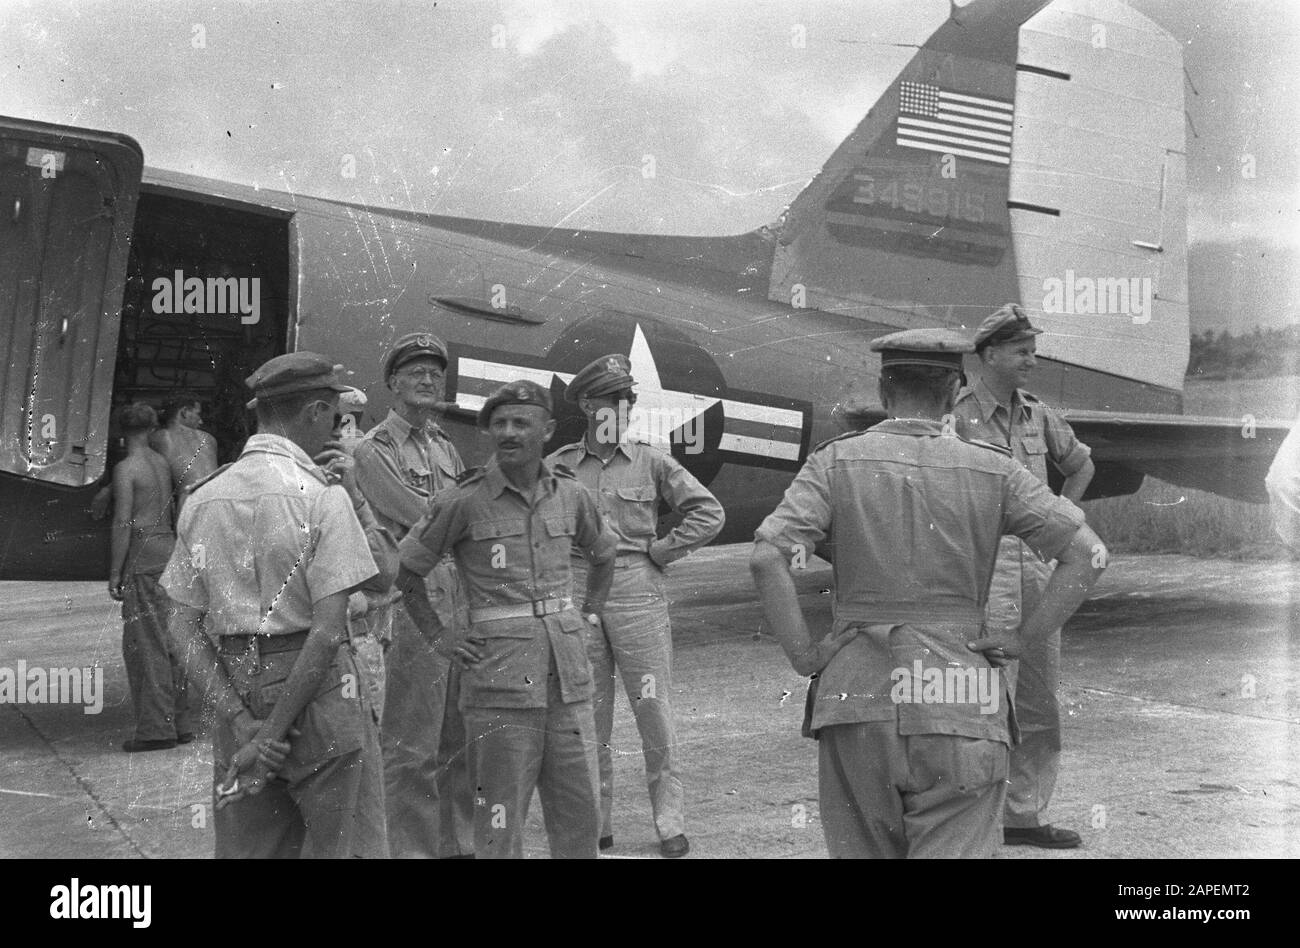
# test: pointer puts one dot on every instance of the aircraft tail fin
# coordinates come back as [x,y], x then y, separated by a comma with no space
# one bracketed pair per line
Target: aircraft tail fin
[1028,152]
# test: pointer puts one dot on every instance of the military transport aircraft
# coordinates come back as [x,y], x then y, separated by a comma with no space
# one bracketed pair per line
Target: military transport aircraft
[1029,151]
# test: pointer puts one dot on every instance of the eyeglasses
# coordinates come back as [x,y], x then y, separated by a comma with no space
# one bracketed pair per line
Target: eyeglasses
[426,373]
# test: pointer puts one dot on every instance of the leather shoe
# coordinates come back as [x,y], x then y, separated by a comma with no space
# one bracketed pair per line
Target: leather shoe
[606,842]
[186,738]
[134,747]
[1046,837]
[675,846]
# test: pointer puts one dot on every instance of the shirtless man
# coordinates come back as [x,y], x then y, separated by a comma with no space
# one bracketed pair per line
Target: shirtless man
[191,454]
[142,542]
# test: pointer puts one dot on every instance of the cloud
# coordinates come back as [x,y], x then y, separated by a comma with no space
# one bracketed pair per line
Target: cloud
[531,24]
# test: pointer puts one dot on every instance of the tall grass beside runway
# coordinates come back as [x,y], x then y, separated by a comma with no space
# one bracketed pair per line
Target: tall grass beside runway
[1164,518]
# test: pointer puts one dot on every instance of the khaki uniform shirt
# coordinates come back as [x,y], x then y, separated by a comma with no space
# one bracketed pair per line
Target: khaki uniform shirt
[917,516]
[400,468]
[263,540]
[628,488]
[510,550]
[1032,431]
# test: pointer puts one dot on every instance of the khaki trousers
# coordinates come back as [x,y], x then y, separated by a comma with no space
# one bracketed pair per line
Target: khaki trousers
[426,775]
[636,642]
[329,799]
[153,668]
[1018,583]
[924,796]
[553,749]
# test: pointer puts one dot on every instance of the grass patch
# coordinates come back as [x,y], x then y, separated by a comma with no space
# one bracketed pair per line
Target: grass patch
[1165,518]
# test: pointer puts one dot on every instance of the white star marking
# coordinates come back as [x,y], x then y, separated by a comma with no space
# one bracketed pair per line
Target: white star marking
[659,411]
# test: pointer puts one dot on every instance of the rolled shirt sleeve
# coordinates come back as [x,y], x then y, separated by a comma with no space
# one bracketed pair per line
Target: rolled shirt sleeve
[803,517]
[1067,452]
[1032,512]
[341,559]
[702,515]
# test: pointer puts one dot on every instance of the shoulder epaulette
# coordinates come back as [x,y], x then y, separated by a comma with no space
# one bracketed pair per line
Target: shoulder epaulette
[999,448]
[203,480]
[563,470]
[469,474]
[840,437]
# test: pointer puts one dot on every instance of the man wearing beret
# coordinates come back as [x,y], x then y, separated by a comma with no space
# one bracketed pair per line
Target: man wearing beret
[401,463]
[629,479]
[910,713]
[996,408]
[526,691]
[267,554]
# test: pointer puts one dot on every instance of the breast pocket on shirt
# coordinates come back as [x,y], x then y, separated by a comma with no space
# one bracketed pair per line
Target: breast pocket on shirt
[498,536]
[447,473]
[1033,444]
[565,525]
[417,476]
[638,510]
[560,531]
[494,529]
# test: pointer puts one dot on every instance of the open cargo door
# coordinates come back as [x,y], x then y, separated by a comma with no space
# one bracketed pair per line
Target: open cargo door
[67,205]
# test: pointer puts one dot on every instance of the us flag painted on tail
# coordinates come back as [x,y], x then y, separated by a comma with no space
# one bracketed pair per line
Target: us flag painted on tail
[932,118]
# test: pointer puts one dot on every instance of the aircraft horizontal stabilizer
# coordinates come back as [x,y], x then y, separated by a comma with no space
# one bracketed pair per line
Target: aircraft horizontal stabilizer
[1221,455]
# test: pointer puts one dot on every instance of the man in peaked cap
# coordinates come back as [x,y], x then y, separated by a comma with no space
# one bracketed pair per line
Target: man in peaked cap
[526,692]
[274,602]
[996,408]
[402,462]
[909,712]
[628,480]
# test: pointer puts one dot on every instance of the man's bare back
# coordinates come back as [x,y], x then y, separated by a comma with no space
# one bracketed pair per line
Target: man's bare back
[190,454]
[151,490]
[142,498]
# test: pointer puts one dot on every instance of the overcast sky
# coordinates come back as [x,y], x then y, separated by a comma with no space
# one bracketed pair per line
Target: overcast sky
[541,111]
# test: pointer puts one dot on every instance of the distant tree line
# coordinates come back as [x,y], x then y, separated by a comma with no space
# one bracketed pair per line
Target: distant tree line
[1259,354]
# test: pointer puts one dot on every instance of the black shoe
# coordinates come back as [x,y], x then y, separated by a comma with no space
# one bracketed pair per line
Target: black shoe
[134,747]
[1047,837]
[675,846]
[606,842]
[186,738]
